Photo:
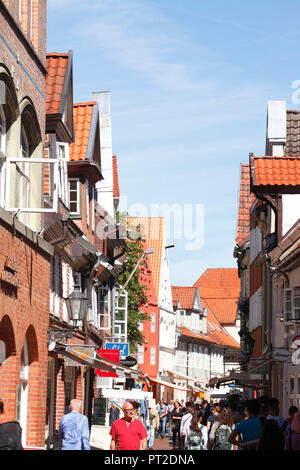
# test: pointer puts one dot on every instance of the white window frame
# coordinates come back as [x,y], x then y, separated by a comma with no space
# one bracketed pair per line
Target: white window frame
[62,152]
[296,310]
[104,318]
[78,201]
[31,161]
[93,208]
[140,354]
[153,322]
[152,355]
[87,202]
[120,304]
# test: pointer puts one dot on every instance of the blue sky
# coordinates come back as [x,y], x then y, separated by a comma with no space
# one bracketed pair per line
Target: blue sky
[189,83]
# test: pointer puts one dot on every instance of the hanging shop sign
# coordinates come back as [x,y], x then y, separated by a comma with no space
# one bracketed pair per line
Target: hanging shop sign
[9,273]
[122,347]
[128,361]
[87,353]
[111,355]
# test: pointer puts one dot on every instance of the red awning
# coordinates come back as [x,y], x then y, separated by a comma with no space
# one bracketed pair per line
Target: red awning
[168,384]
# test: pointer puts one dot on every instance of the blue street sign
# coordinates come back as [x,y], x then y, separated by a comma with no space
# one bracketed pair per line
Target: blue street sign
[123,347]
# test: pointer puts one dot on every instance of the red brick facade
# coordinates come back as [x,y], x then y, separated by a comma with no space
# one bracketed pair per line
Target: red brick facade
[24,313]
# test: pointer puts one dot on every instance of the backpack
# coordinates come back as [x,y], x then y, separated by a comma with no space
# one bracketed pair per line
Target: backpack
[221,438]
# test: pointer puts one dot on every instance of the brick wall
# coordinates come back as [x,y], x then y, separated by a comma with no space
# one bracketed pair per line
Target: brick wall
[24,313]
[28,73]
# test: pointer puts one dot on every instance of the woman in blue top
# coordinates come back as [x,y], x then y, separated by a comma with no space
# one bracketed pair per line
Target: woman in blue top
[248,430]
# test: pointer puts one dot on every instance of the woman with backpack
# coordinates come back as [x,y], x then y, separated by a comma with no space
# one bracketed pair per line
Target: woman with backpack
[197,437]
[220,432]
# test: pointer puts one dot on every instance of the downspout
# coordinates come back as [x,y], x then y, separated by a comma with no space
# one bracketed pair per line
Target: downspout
[65,233]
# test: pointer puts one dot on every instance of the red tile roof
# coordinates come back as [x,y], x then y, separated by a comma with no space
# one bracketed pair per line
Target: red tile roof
[219,291]
[219,277]
[275,171]
[83,113]
[246,199]
[185,295]
[153,230]
[55,79]
[116,189]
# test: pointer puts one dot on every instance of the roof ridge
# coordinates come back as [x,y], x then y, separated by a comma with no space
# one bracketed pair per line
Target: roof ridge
[87,103]
[57,54]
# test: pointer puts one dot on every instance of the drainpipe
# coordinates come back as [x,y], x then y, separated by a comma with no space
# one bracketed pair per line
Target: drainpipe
[65,233]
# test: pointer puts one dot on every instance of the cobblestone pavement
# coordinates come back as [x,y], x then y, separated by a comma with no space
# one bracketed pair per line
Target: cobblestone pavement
[164,444]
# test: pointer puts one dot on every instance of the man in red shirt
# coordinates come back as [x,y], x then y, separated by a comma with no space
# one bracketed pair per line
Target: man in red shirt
[128,433]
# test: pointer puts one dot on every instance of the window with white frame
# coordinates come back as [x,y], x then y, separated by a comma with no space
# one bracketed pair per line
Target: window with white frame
[292,304]
[87,201]
[140,354]
[63,157]
[74,196]
[119,332]
[104,308]
[152,322]
[181,317]
[94,197]
[22,182]
[152,355]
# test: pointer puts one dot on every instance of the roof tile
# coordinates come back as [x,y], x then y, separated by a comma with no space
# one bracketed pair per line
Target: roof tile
[83,113]
[55,79]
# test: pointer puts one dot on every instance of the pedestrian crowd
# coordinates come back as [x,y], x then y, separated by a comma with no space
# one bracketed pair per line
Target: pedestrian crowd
[225,425]
[229,425]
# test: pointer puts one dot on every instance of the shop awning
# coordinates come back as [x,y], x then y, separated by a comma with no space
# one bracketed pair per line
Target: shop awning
[202,388]
[168,384]
[251,377]
[87,356]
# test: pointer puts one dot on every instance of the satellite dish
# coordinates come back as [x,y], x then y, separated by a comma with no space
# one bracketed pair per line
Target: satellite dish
[205,313]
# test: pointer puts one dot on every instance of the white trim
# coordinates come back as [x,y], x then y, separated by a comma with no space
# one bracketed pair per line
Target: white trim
[78,199]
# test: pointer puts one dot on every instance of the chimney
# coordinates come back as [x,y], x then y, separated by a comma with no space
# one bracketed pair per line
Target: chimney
[105,187]
[276,128]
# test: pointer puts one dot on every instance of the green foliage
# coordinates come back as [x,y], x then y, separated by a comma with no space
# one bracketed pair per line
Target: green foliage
[137,296]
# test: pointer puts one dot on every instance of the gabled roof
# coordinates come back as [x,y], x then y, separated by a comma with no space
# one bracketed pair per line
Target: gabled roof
[55,80]
[215,333]
[153,230]
[219,292]
[59,94]
[85,127]
[246,199]
[276,174]
[116,189]
[186,296]
[219,277]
